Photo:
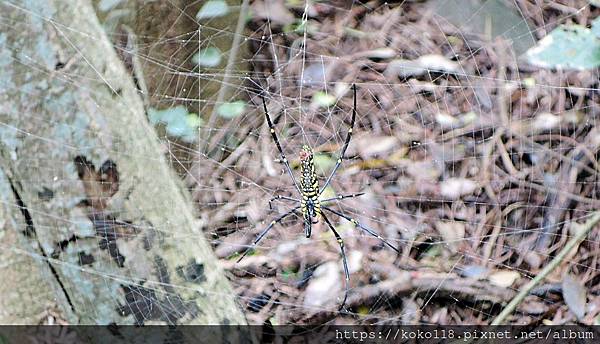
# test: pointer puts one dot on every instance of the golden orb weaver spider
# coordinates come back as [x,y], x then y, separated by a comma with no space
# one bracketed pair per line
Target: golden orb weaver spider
[310,205]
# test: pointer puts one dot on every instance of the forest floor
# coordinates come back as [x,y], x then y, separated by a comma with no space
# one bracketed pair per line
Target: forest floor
[473,163]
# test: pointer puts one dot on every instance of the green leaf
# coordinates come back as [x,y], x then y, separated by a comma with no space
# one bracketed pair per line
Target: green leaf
[178,122]
[323,99]
[166,116]
[231,110]
[528,82]
[194,120]
[289,274]
[180,128]
[208,57]
[363,310]
[212,9]
[433,251]
[567,47]
[299,26]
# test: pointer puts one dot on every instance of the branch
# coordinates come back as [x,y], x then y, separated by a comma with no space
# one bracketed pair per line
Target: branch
[582,232]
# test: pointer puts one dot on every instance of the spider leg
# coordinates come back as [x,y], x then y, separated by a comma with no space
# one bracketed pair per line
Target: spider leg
[366,229]
[343,151]
[279,197]
[274,135]
[265,231]
[341,197]
[344,259]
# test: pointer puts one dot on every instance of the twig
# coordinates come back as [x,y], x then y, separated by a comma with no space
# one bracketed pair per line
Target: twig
[548,189]
[407,283]
[583,231]
[235,46]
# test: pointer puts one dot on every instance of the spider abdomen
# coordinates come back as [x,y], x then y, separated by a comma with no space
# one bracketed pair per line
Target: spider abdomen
[309,187]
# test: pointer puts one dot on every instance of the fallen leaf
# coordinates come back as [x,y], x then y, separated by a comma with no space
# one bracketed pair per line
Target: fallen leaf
[454,188]
[355,260]
[575,295]
[453,232]
[322,99]
[567,47]
[474,271]
[424,170]
[533,259]
[368,146]
[438,63]
[212,9]
[323,163]
[420,66]
[324,286]
[329,192]
[380,53]
[546,121]
[417,86]
[446,121]
[232,109]
[492,19]
[503,278]
[533,307]
[209,57]
[273,10]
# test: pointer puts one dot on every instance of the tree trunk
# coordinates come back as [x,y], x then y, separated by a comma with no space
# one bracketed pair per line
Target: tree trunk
[95,226]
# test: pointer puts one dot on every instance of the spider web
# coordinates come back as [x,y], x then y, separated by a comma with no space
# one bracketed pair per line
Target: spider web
[472,162]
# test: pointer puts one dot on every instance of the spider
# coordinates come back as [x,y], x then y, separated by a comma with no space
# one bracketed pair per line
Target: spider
[310,205]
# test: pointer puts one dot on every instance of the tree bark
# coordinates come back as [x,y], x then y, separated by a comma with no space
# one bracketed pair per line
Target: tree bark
[95,226]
